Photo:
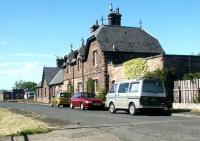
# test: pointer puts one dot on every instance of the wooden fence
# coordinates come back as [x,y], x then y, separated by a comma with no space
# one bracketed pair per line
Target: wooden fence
[186,91]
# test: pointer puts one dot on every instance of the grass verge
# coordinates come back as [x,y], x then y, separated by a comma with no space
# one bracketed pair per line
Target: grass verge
[17,124]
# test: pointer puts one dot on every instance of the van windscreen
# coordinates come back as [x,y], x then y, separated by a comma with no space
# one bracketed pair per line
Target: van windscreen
[153,86]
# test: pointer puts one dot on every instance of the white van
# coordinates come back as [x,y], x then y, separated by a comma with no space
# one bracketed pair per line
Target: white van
[132,95]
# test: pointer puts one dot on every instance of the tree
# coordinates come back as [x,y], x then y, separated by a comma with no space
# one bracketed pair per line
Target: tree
[25,85]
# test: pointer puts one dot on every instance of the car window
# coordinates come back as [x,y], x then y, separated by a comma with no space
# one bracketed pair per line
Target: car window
[75,95]
[64,95]
[88,95]
[123,88]
[113,88]
[134,87]
[154,86]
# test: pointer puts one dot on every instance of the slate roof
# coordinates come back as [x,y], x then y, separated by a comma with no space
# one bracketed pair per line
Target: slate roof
[72,55]
[58,79]
[126,39]
[81,50]
[49,73]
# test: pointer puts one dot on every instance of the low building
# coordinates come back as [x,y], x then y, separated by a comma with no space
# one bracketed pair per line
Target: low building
[44,92]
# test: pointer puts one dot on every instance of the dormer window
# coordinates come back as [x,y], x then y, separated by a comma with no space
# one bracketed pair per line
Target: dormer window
[95,55]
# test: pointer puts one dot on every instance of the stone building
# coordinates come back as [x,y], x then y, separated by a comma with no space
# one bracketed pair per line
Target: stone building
[101,58]
[44,91]
[107,48]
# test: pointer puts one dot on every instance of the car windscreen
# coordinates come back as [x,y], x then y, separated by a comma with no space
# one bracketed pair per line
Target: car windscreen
[153,86]
[64,95]
[88,95]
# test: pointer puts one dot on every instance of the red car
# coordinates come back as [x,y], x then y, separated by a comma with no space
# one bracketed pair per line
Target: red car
[85,100]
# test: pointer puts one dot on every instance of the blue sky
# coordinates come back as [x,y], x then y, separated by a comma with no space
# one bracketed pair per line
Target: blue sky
[34,32]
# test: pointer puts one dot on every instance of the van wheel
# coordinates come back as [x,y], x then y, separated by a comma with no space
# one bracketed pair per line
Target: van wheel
[71,106]
[132,109]
[58,105]
[82,106]
[112,108]
[51,104]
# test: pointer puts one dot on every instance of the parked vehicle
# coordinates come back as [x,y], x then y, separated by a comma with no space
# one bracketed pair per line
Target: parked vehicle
[29,95]
[85,100]
[60,99]
[133,95]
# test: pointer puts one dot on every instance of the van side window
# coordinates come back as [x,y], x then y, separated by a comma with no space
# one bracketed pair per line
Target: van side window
[134,87]
[123,88]
[113,89]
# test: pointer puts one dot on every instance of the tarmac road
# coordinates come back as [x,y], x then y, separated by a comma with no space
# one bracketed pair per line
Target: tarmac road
[121,125]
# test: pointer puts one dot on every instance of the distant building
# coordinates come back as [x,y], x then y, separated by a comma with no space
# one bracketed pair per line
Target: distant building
[44,92]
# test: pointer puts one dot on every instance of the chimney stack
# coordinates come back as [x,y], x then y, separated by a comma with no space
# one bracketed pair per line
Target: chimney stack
[114,17]
[94,27]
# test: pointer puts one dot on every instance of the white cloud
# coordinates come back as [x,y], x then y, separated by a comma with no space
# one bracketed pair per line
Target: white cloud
[33,55]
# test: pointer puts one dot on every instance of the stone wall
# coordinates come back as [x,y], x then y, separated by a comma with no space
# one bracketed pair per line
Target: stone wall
[116,73]
[155,63]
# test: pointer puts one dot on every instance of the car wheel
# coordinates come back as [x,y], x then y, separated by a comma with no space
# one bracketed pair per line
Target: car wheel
[51,104]
[112,108]
[82,106]
[132,109]
[71,106]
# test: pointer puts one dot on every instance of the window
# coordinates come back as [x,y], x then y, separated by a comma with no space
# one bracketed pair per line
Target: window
[88,95]
[113,88]
[123,88]
[95,85]
[69,68]
[153,86]
[95,58]
[80,87]
[38,94]
[45,92]
[134,87]
[79,65]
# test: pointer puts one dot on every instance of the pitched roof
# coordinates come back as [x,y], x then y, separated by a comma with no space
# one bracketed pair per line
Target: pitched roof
[49,73]
[72,56]
[126,39]
[82,50]
[58,79]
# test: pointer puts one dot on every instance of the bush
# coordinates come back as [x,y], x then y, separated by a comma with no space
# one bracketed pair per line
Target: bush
[191,76]
[90,85]
[101,93]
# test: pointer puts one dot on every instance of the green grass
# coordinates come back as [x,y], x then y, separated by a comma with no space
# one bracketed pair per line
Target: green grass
[17,124]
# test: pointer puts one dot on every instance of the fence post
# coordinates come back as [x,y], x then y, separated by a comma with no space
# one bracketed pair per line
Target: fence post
[179,94]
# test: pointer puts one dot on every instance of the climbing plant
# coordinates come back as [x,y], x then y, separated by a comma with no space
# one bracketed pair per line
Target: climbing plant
[90,85]
[101,93]
[135,68]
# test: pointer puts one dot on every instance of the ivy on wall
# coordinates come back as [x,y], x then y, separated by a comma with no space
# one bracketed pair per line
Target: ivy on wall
[135,68]
[90,85]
